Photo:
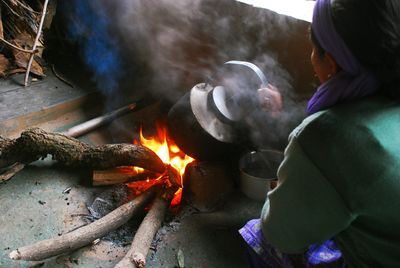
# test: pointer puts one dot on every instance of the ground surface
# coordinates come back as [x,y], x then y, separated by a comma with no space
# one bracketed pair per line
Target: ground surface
[34,207]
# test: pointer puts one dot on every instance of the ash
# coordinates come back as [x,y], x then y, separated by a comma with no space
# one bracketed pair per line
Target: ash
[117,195]
[106,202]
[171,224]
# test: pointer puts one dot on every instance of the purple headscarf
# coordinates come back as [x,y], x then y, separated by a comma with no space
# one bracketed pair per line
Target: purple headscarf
[353,80]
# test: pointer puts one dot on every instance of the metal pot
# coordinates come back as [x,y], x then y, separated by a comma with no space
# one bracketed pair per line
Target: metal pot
[205,139]
[207,122]
[258,172]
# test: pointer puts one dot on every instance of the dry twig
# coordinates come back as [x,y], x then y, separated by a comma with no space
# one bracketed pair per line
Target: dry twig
[17,48]
[26,7]
[39,32]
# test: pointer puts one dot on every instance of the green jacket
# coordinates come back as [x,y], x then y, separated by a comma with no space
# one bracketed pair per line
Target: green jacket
[340,179]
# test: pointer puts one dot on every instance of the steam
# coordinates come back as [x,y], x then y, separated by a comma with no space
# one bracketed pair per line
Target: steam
[169,46]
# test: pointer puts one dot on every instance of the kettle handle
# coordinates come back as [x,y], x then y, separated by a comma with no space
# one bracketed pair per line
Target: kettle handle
[254,68]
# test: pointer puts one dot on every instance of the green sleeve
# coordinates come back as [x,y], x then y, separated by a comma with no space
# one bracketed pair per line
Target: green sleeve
[304,208]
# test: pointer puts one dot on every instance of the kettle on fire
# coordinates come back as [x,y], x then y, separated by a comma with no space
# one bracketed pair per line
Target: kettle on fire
[209,121]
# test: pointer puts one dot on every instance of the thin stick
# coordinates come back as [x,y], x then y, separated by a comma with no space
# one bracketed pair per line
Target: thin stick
[11,172]
[53,68]
[1,25]
[12,10]
[28,8]
[39,32]
[16,47]
[136,256]
[84,235]
[77,131]
[94,123]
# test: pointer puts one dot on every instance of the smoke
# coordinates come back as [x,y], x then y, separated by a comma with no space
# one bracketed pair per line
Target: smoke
[90,25]
[169,46]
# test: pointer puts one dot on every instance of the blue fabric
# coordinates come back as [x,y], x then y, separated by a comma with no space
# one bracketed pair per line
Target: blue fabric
[326,253]
[262,254]
[353,80]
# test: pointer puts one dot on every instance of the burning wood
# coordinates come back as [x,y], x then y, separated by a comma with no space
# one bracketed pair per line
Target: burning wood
[35,143]
[119,175]
[84,235]
[136,256]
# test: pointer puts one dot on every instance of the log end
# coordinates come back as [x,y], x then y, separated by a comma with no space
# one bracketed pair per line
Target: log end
[125,263]
[139,259]
[15,255]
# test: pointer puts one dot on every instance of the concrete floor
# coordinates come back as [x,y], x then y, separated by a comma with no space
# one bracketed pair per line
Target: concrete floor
[34,208]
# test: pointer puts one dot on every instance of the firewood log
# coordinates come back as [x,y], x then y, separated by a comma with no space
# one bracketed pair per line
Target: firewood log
[85,235]
[36,143]
[136,256]
[119,175]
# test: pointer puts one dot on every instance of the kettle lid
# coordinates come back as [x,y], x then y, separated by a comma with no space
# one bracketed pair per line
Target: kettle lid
[205,116]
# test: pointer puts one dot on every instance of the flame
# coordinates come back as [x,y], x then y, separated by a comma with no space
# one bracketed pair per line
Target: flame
[168,152]
[166,149]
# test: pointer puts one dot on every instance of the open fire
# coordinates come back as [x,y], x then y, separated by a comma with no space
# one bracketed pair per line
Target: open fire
[168,152]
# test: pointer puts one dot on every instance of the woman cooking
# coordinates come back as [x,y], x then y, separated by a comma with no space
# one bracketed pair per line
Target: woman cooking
[337,203]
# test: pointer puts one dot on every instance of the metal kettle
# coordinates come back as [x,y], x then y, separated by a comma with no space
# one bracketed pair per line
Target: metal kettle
[208,122]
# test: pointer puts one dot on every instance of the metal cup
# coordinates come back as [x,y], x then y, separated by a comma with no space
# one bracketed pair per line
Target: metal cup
[258,172]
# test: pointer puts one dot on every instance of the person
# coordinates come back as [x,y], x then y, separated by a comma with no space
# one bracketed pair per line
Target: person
[337,201]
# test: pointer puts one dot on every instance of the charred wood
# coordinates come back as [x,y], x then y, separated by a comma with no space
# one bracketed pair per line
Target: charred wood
[119,175]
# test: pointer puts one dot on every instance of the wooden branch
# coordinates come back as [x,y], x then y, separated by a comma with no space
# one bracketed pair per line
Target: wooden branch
[77,131]
[1,25]
[10,9]
[36,143]
[84,235]
[39,32]
[136,256]
[26,7]
[16,47]
[119,175]
[11,172]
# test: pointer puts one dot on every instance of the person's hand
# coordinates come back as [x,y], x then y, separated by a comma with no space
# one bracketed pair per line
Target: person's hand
[270,100]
